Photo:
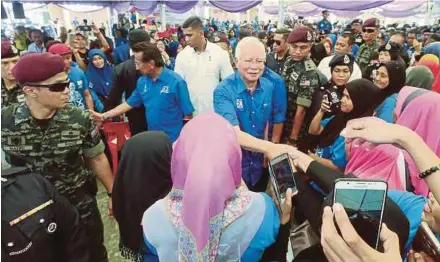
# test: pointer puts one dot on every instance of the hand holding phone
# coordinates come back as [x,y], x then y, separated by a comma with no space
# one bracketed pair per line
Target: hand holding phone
[425,241]
[363,201]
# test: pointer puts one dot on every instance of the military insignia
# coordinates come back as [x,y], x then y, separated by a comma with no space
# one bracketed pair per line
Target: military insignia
[16,140]
[309,36]
[239,103]
[388,47]
[51,227]
[165,90]
[346,59]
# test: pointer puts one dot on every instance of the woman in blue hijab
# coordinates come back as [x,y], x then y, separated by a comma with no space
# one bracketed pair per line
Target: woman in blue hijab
[100,74]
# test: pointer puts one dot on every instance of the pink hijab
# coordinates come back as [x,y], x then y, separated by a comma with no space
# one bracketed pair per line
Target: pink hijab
[422,115]
[207,193]
[381,162]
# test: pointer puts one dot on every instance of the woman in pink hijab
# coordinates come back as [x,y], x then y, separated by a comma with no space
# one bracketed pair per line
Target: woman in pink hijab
[209,215]
[419,110]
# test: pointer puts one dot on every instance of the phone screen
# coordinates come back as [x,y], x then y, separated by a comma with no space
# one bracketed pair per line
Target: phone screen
[283,175]
[364,208]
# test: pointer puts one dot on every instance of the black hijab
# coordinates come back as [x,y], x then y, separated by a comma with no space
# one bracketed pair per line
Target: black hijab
[397,79]
[363,94]
[143,177]
[317,53]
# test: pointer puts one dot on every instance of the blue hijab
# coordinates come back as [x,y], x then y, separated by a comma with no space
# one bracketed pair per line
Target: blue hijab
[100,79]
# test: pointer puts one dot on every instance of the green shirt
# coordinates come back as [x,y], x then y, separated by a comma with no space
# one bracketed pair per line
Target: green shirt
[58,152]
[366,53]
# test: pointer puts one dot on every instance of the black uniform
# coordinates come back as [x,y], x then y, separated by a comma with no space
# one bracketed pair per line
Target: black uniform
[37,223]
[125,81]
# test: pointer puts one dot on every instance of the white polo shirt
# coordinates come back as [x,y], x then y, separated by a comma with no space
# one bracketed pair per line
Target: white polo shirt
[202,73]
[324,68]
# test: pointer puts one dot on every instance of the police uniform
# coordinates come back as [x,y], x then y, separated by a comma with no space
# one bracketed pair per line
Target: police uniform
[358,40]
[38,224]
[15,93]
[366,51]
[301,78]
[56,148]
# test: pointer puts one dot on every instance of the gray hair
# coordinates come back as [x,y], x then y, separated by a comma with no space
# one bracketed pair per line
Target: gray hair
[249,40]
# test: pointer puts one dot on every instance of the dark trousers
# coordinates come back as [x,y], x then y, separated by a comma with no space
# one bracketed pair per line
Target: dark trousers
[91,220]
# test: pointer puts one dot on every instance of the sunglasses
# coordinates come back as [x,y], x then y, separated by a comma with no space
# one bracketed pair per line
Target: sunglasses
[368,30]
[278,42]
[58,87]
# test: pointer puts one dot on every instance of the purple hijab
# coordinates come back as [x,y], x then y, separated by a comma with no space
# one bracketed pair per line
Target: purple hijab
[207,193]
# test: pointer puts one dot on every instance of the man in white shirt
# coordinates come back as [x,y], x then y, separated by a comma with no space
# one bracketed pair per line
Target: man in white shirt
[344,45]
[202,64]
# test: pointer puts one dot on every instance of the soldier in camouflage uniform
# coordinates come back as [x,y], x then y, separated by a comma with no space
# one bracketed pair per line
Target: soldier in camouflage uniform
[302,79]
[371,45]
[11,92]
[58,141]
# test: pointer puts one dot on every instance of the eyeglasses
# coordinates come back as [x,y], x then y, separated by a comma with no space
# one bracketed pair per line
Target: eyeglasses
[58,87]
[365,30]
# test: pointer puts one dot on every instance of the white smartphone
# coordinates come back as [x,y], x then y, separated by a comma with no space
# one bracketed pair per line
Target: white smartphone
[364,202]
[281,175]
[427,242]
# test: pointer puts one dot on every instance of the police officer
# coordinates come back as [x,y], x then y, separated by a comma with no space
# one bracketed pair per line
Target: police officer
[356,29]
[58,141]
[371,45]
[302,78]
[38,224]
[11,91]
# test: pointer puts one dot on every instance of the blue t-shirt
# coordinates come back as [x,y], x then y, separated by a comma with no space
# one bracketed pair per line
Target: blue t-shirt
[250,111]
[78,85]
[324,25]
[166,101]
[336,151]
[279,105]
[121,54]
[265,236]
[385,110]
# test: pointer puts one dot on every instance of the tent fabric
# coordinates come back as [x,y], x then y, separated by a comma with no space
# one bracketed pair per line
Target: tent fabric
[349,6]
[235,6]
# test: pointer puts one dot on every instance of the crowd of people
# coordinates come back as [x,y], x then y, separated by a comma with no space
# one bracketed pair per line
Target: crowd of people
[208,104]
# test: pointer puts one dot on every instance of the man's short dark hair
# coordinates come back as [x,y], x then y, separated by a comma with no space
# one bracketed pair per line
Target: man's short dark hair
[244,33]
[412,31]
[350,37]
[194,22]
[35,31]
[283,31]
[149,52]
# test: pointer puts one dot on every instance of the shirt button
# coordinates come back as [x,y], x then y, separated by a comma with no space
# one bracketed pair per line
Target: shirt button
[42,221]
[253,126]
[252,98]
[10,244]
[253,112]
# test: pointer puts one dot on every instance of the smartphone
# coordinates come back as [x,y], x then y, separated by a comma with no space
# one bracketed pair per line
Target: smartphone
[333,98]
[426,241]
[281,175]
[364,202]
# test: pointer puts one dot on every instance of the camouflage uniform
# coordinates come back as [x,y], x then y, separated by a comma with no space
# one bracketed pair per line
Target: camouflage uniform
[11,96]
[302,78]
[58,154]
[365,54]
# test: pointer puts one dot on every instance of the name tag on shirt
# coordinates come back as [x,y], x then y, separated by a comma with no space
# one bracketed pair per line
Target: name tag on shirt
[240,106]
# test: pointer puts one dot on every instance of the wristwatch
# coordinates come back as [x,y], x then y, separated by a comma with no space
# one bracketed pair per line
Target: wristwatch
[105,116]
[293,140]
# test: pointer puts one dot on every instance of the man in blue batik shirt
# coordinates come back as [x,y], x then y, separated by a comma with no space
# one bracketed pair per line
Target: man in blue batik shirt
[247,101]
[163,93]
[324,24]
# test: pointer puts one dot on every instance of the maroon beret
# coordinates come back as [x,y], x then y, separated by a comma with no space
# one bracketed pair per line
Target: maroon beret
[8,50]
[372,22]
[59,49]
[28,71]
[300,34]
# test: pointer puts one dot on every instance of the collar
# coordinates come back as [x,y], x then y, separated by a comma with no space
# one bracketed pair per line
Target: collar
[285,55]
[208,47]
[241,86]
[23,115]
[162,76]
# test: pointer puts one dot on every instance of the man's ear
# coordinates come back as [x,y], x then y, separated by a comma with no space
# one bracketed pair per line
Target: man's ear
[30,91]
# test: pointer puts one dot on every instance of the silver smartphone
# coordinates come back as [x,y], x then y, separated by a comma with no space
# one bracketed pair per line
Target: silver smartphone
[281,176]
[426,241]
[364,202]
